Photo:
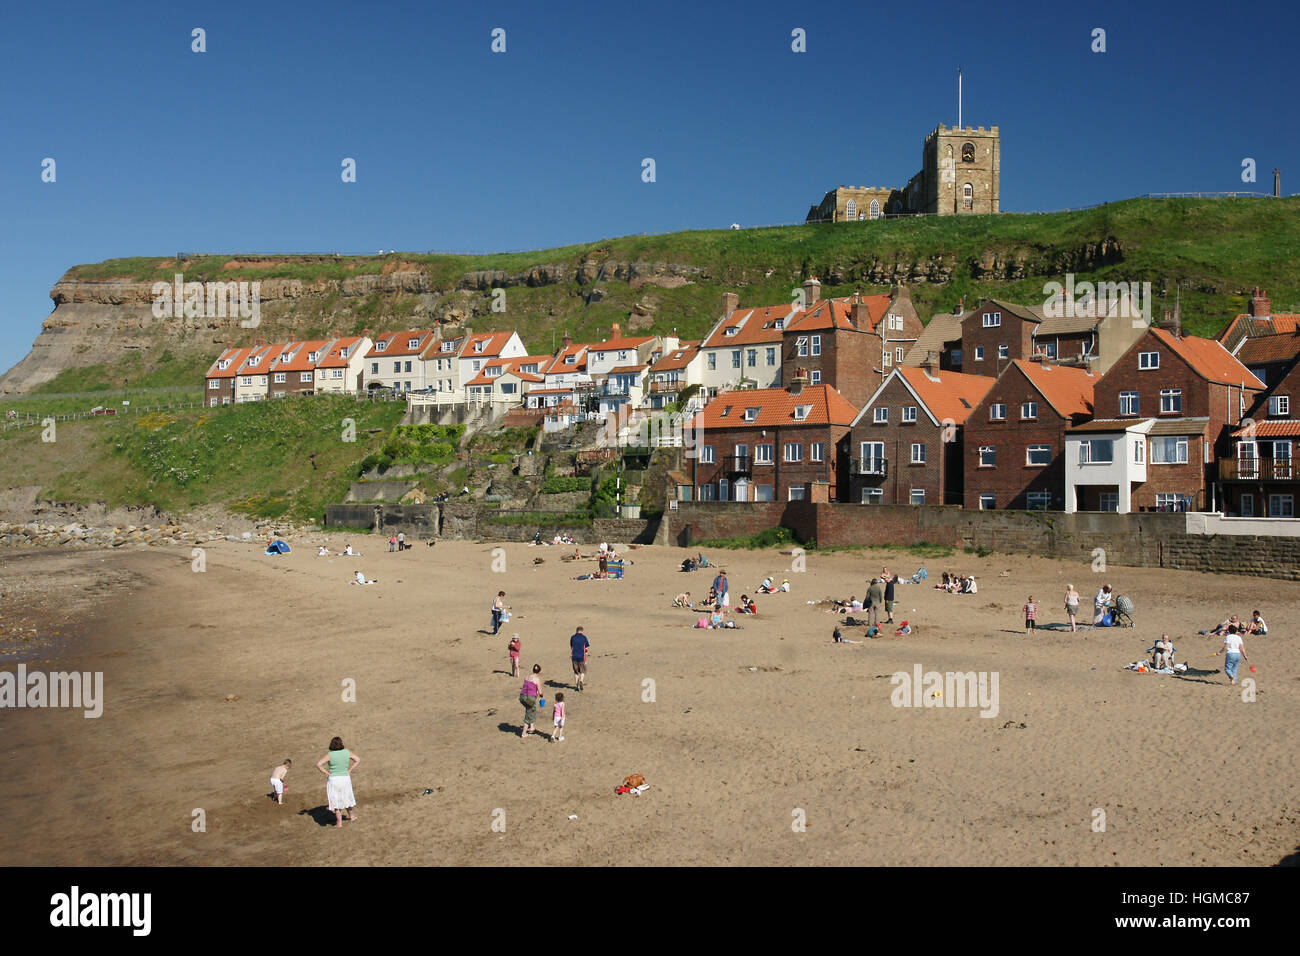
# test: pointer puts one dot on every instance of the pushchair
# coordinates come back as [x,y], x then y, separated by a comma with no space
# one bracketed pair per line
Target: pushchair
[920,575]
[1123,612]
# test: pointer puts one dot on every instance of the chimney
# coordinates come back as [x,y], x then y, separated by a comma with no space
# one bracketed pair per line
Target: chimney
[812,291]
[730,300]
[567,340]
[799,381]
[1260,306]
[1277,184]
[931,364]
[961,307]
[615,331]
[860,315]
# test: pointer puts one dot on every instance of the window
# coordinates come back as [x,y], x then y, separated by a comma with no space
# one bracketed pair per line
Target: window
[988,456]
[873,211]
[412,343]
[917,497]
[751,358]
[713,361]
[816,345]
[872,496]
[1140,451]
[918,453]
[873,458]
[956,358]
[796,493]
[998,412]
[992,320]
[742,451]
[476,364]
[818,450]
[1097,451]
[751,414]
[448,346]
[1171,450]
[507,388]
[851,210]
[801,412]
[896,323]
[771,356]
[793,451]
[763,454]
[979,353]
[246,380]
[214,383]
[1108,501]
[707,454]
[815,377]
[1247,509]
[1279,406]
[968,153]
[968,196]
[909,414]
[987,502]
[380,346]
[1004,351]
[880,416]
[1129,403]
[801,345]
[304,376]
[1171,401]
[480,346]
[1028,410]
[735,358]
[1038,500]
[1038,455]
[280,378]
[343,353]
[1170,501]
[725,411]
[898,354]
[1148,360]
[731,330]
[886,359]
[338,373]
[765,493]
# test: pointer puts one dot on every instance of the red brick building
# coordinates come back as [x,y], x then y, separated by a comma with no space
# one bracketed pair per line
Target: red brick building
[219,382]
[1259,477]
[905,446]
[1195,393]
[765,444]
[994,334]
[1015,437]
[1262,340]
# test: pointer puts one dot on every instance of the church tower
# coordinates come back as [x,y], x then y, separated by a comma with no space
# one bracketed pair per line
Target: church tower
[960,171]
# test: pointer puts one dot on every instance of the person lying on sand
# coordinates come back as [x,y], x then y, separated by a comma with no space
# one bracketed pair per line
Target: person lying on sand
[838,638]
[1221,629]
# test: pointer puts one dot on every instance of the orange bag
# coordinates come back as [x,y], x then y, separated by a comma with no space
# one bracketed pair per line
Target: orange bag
[634,780]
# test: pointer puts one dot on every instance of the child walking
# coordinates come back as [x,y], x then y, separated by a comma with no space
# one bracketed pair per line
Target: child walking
[277,780]
[1031,615]
[513,648]
[558,716]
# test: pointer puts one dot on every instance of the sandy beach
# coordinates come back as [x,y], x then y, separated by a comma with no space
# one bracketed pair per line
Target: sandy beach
[211,678]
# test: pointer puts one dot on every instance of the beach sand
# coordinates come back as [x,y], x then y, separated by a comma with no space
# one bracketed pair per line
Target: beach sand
[748,733]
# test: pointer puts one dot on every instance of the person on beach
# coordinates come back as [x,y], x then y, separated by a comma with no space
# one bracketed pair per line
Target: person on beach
[498,609]
[1072,606]
[558,717]
[1100,605]
[392,543]
[401,541]
[528,697]
[721,588]
[337,765]
[360,578]
[889,581]
[277,780]
[1234,652]
[513,650]
[1256,624]
[578,647]
[875,597]
[1162,653]
[1031,615]
[683,600]
[323,552]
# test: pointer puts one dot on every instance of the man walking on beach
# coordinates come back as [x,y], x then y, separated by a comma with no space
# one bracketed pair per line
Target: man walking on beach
[875,596]
[720,588]
[578,646]
[889,580]
[498,608]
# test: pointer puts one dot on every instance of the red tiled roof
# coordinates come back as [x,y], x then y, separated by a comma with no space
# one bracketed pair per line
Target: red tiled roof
[265,355]
[397,342]
[510,366]
[627,369]
[617,345]
[677,359]
[557,366]
[943,394]
[332,358]
[1068,390]
[777,408]
[838,313]
[1208,358]
[756,327]
[1267,349]
[1282,428]
[495,342]
[297,359]
[236,357]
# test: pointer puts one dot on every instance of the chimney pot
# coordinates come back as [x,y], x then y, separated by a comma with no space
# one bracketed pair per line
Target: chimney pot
[730,301]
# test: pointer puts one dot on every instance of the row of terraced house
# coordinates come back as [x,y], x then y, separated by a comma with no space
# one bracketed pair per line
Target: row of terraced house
[1069,406]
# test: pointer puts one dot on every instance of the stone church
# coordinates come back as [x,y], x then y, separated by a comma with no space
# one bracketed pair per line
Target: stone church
[960,174]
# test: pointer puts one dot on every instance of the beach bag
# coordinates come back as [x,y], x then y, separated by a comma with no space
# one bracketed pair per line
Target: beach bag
[505,617]
[634,780]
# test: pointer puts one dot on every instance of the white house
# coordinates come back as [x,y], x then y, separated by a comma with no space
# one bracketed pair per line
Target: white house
[676,369]
[477,350]
[252,382]
[398,360]
[744,346]
[340,368]
[505,381]
[1108,456]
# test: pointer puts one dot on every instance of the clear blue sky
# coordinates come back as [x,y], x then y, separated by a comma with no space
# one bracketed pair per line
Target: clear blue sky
[160,149]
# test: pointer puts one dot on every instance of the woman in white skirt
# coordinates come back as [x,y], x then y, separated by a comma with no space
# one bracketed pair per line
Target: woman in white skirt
[338,765]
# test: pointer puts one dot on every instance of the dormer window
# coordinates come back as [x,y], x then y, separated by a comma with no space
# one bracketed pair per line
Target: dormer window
[412,343]
[313,357]
[480,346]
[223,364]
[751,414]
[570,360]
[731,330]
[380,346]
[725,412]
[254,360]
[343,353]
[448,346]
[1279,406]
[493,371]
[778,324]
[801,412]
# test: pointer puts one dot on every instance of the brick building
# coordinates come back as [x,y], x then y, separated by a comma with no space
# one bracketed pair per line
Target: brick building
[294,370]
[1258,476]
[1192,392]
[1015,437]
[765,444]
[905,446]
[1263,341]
[994,334]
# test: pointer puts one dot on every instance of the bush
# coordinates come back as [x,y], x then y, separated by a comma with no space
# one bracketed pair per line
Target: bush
[561,484]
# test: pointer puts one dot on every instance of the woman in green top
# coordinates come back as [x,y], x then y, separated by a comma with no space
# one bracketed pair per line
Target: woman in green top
[338,765]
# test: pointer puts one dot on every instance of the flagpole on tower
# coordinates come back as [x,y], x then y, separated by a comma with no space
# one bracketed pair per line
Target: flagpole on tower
[959,97]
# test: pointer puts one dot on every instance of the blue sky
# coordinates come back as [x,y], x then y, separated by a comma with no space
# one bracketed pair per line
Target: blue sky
[160,149]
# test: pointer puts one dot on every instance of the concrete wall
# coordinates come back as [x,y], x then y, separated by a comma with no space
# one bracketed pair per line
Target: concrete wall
[463,519]
[1136,540]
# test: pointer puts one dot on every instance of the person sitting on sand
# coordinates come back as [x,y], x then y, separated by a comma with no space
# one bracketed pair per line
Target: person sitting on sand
[1256,624]
[323,552]
[903,629]
[785,586]
[766,586]
[746,605]
[361,579]
[683,600]
[1222,628]
[347,549]
[1162,653]
[944,585]
[711,600]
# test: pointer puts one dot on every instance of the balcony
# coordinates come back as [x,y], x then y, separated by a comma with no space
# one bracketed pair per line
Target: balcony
[870,467]
[615,390]
[738,464]
[1257,469]
[666,386]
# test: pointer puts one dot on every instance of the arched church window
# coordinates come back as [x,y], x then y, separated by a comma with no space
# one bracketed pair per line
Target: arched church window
[874,209]
[851,210]
[968,153]
[968,195]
